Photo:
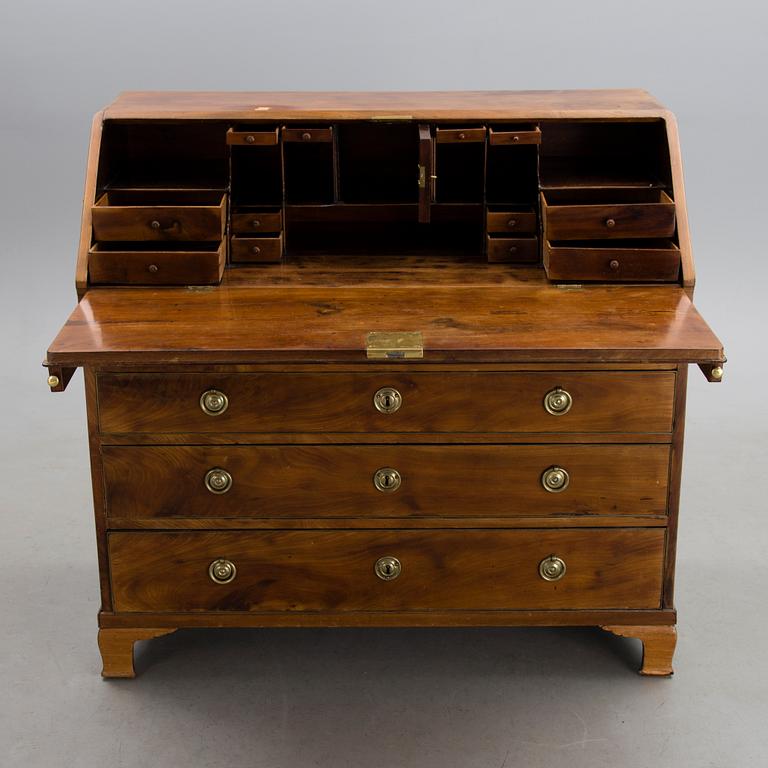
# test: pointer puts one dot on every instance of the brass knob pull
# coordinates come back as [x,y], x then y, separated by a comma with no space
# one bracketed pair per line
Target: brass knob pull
[256,223]
[555,479]
[614,265]
[462,136]
[213,402]
[250,138]
[222,571]
[387,400]
[255,249]
[610,223]
[156,225]
[387,480]
[387,568]
[557,401]
[512,223]
[153,268]
[218,480]
[513,249]
[307,136]
[53,381]
[552,568]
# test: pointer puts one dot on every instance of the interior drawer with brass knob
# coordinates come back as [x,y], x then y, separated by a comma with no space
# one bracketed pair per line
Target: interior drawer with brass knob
[378,481]
[510,220]
[145,264]
[312,570]
[159,215]
[257,220]
[584,213]
[514,250]
[394,402]
[256,249]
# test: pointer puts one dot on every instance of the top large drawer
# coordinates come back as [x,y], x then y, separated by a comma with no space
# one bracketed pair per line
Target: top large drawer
[544,402]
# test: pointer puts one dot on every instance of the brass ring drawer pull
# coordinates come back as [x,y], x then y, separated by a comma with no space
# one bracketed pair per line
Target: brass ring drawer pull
[222,571]
[387,480]
[555,479]
[552,568]
[388,568]
[387,400]
[213,402]
[557,401]
[218,480]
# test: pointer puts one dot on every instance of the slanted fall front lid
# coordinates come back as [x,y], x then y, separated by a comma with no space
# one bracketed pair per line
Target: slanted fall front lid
[259,323]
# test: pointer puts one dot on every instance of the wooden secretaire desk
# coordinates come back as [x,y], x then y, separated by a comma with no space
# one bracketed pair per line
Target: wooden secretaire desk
[381,359]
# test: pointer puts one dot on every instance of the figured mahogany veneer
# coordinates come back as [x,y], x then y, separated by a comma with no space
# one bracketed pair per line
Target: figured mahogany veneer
[522,252]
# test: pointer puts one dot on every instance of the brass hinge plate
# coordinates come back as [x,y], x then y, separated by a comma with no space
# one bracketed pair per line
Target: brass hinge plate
[394,345]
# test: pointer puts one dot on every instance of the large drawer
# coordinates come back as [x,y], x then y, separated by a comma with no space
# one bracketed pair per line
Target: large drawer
[544,402]
[337,570]
[385,480]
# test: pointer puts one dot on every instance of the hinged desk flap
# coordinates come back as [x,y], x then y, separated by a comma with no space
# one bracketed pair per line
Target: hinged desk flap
[248,323]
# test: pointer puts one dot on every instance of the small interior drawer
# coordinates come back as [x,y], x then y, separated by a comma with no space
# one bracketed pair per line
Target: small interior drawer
[513,136]
[588,213]
[256,220]
[460,135]
[511,220]
[254,138]
[257,249]
[308,135]
[144,264]
[516,250]
[614,260]
[159,215]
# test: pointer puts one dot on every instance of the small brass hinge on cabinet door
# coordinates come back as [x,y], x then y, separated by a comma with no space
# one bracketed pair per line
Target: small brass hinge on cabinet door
[394,345]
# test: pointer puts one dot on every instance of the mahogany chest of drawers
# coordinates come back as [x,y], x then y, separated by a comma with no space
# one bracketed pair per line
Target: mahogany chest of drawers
[385,359]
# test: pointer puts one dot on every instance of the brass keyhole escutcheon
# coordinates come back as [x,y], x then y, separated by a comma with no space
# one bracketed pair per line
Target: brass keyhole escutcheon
[213,402]
[387,400]
[555,479]
[552,568]
[388,568]
[218,480]
[557,401]
[387,480]
[222,571]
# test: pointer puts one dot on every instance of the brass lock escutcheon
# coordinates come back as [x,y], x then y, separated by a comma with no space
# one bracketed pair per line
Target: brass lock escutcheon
[213,402]
[387,400]
[388,568]
[218,480]
[387,480]
[555,479]
[222,571]
[552,568]
[557,401]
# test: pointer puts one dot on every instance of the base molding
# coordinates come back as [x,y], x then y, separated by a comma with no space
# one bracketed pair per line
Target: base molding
[658,646]
[116,647]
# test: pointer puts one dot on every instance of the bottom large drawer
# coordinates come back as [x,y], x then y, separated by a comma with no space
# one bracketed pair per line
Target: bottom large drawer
[386,570]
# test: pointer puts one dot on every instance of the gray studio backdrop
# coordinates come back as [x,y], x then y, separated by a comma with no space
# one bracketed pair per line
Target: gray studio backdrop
[401,698]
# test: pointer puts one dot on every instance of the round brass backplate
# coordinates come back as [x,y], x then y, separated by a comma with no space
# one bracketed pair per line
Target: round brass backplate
[213,402]
[222,571]
[387,400]
[218,480]
[387,480]
[557,401]
[387,568]
[555,479]
[552,568]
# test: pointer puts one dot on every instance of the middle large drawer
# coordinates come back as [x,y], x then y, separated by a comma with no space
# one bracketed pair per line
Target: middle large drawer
[385,481]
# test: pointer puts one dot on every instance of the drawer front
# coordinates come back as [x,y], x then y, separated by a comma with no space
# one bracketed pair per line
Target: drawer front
[256,249]
[125,267]
[158,223]
[518,250]
[385,481]
[308,135]
[511,222]
[257,221]
[659,262]
[610,220]
[425,402]
[336,570]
